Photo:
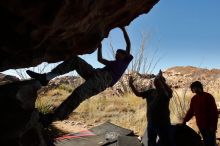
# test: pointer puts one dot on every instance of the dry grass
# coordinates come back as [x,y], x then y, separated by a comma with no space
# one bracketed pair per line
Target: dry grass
[128,111]
[51,100]
[179,105]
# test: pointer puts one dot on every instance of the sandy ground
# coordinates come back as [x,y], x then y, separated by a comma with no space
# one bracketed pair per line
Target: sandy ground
[69,126]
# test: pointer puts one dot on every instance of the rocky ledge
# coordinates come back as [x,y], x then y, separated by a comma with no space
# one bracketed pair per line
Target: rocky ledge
[32,32]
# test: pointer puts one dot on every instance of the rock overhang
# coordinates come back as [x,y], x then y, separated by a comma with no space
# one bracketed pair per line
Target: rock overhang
[33,32]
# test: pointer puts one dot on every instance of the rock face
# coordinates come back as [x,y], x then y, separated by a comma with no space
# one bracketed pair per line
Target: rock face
[176,77]
[185,136]
[20,120]
[182,77]
[32,32]
[7,78]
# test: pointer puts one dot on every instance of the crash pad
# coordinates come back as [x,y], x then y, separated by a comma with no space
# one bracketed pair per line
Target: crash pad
[183,135]
[110,132]
[104,134]
[128,141]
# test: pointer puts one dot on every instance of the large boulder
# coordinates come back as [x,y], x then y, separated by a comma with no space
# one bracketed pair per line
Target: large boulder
[20,120]
[7,79]
[32,32]
[182,136]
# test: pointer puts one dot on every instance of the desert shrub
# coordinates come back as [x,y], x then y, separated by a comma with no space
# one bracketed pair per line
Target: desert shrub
[65,87]
[179,104]
[44,105]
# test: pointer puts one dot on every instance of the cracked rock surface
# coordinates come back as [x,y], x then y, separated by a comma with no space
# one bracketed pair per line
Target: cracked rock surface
[32,32]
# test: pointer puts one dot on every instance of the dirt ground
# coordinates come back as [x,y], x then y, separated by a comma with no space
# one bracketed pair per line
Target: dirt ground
[69,126]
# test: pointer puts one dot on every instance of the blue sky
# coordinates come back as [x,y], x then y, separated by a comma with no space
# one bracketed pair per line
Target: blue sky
[185,32]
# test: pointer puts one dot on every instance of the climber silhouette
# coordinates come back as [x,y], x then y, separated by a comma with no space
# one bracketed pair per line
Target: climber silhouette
[96,80]
[158,114]
[204,108]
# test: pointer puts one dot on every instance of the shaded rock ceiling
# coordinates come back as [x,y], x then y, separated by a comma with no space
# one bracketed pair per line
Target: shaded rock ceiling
[32,32]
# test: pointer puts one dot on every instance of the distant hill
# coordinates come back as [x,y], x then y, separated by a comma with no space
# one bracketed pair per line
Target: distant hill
[190,70]
[183,76]
[177,77]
